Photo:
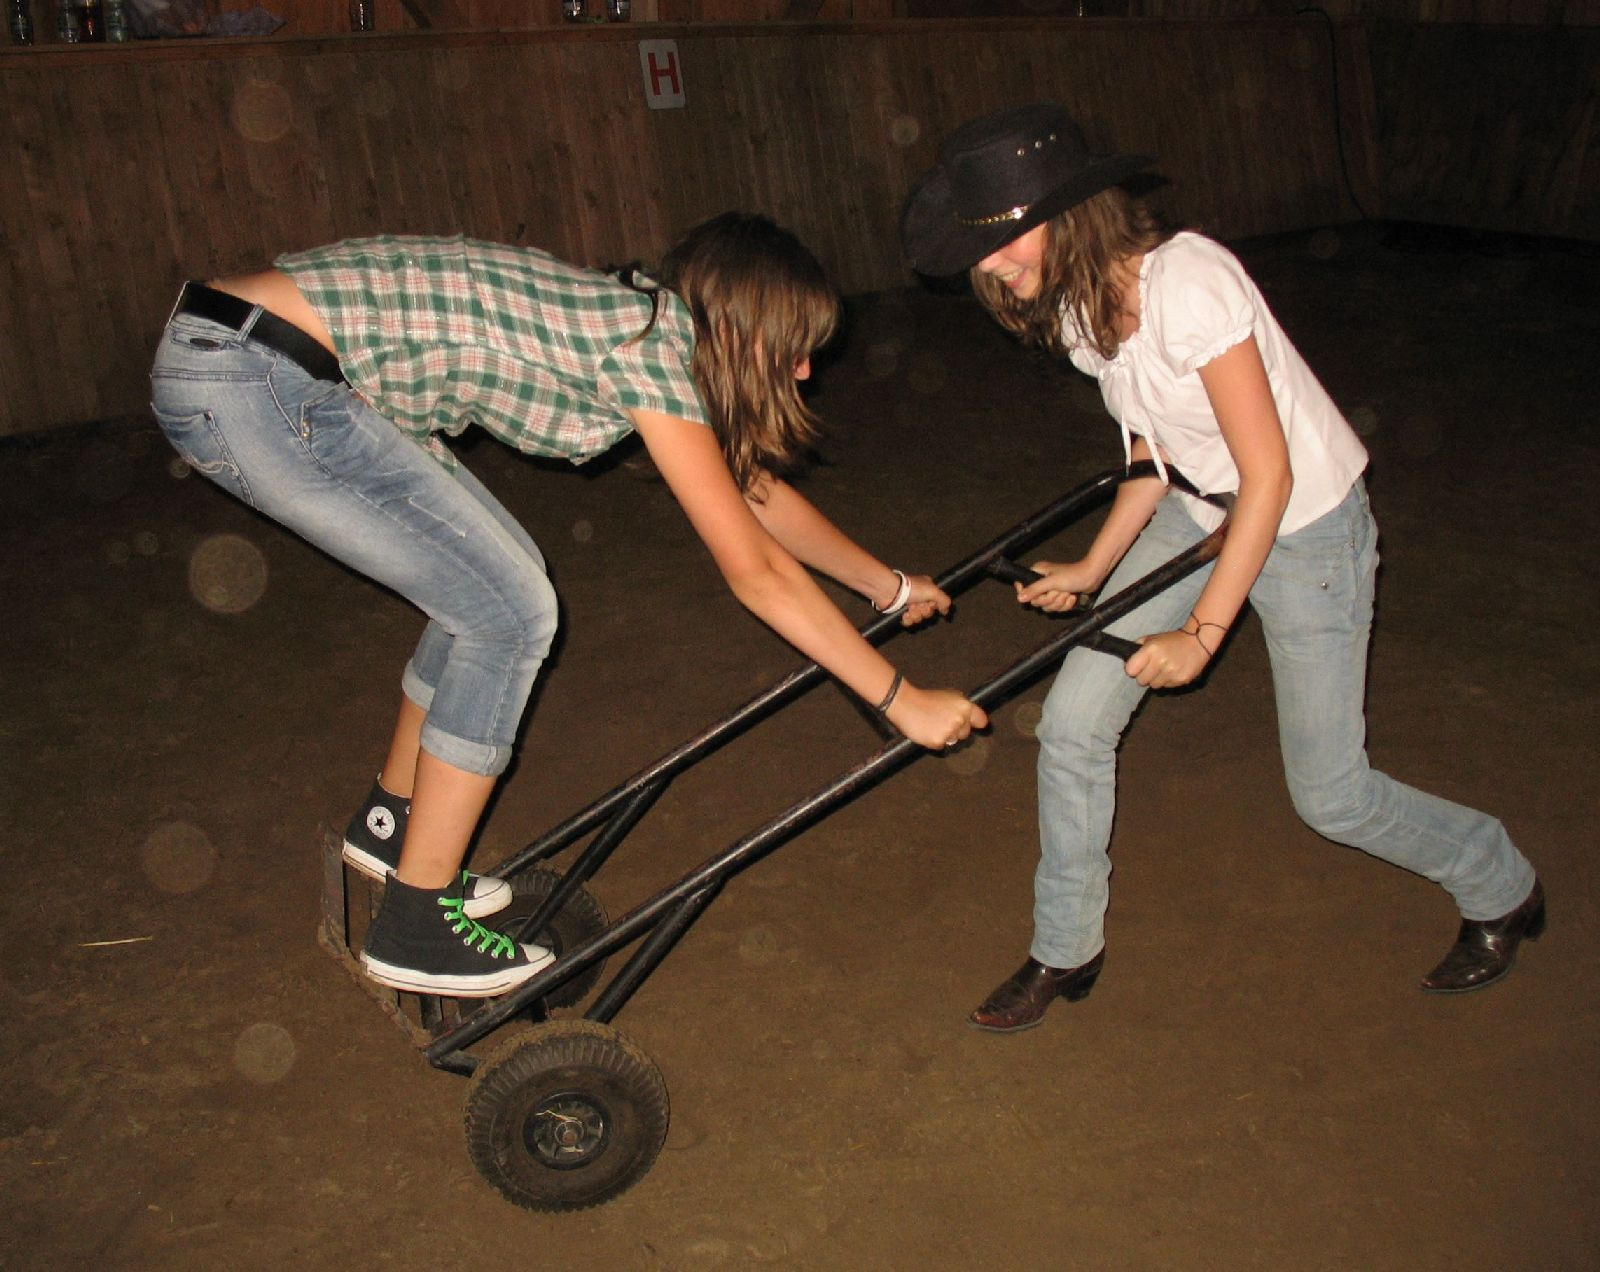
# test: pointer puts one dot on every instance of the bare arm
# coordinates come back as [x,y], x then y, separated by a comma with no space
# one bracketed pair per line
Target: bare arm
[772,584]
[796,523]
[1130,512]
[1241,397]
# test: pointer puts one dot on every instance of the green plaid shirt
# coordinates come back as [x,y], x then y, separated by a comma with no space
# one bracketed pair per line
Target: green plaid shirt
[439,333]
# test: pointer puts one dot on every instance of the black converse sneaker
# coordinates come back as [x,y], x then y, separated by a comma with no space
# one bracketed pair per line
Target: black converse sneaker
[422,941]
[372,845]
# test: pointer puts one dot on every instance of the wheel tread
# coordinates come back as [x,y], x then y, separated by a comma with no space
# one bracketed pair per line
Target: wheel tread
[497,1087]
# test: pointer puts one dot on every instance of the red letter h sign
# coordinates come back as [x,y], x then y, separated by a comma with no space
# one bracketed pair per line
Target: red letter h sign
[663,78]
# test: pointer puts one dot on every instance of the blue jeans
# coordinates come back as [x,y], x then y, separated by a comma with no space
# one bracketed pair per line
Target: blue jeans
[317,459]
[1314,600]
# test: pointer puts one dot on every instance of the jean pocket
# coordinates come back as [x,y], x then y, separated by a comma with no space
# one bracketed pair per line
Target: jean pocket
[199,442]
[1321,578]
[345,436]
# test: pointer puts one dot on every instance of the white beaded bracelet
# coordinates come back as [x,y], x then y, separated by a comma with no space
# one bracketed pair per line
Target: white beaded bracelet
[902,594]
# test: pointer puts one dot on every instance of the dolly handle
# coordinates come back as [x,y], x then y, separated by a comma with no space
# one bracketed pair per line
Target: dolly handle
[1009,571]
[1113,645]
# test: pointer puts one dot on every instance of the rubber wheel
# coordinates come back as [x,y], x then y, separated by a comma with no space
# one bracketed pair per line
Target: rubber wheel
[565,1115]
[581,918]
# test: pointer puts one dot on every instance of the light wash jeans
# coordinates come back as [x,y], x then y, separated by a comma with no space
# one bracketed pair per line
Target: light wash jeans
[314,457]
[1314,599]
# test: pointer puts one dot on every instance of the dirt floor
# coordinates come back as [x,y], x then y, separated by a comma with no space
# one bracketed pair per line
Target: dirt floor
[195,698]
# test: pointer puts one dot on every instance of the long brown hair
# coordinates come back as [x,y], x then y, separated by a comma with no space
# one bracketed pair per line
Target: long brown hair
[761,305]
[1080,279]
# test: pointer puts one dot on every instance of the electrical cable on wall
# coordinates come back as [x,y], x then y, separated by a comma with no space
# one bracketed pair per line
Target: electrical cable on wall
[1338,119]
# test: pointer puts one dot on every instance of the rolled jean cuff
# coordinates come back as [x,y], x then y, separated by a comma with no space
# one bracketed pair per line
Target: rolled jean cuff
[415,687]
[483,758]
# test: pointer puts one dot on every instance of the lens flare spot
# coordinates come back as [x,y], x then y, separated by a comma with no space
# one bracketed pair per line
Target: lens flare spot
[759,947]
[264,1053]
[1324,245]
[1364,420]
[883,359]
[904,130]
[377,98]
[1025,720]
[454,72]
[178,857]
[227,573]
[262,111]
[971,757]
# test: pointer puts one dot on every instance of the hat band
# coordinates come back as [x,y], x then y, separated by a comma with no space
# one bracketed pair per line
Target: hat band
[1014,214]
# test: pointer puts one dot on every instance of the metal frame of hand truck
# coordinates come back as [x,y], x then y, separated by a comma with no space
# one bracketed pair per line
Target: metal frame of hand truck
[443,1029]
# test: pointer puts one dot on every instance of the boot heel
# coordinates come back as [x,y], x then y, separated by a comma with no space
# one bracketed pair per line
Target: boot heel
[1079,990]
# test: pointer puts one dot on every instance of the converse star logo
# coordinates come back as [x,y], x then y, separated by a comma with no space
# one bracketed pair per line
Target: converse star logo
[380,821]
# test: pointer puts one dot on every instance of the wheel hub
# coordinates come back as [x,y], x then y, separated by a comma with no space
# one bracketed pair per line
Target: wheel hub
[566,1131]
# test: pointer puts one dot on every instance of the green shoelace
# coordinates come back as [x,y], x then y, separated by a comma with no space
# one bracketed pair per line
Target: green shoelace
[473,934]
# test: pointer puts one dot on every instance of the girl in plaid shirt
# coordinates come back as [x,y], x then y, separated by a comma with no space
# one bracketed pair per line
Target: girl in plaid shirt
[317,391]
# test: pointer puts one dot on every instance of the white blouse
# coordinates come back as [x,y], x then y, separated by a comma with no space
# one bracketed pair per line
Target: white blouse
[1195,303]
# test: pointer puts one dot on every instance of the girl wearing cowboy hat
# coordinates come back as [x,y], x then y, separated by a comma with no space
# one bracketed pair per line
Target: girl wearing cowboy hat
[1200,377]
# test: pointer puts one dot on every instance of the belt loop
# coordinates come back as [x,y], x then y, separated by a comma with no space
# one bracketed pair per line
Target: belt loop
[173,313]
[249,323]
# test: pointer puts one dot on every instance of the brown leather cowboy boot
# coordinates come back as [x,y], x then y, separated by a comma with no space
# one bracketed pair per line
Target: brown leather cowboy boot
[1484,950]
[1020,1002]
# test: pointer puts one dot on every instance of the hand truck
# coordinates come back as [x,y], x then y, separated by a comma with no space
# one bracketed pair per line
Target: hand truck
[567,1112]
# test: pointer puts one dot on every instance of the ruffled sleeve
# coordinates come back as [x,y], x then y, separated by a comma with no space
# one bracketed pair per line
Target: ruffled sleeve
[1197,304]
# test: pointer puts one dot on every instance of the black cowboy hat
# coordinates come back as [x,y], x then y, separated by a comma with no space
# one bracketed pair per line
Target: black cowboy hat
[997,178]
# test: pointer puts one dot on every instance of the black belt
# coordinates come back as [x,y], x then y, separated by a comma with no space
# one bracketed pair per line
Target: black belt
[276,333]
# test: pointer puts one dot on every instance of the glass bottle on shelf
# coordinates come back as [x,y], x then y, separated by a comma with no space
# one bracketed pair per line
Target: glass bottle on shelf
[618,10]
[361,18]
[67,23]
[117,21]
[572,10]
[90,29]
[20,20]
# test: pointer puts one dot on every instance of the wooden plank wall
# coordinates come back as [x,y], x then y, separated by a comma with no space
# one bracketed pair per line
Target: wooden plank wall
[1457,143]
[303,18]
[130,172]
[1515,12]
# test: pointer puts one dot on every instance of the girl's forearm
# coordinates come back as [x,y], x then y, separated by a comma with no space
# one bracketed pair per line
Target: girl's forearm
[1130,512]
[788,600]
[1241,397]
[811,538]
[1252,530]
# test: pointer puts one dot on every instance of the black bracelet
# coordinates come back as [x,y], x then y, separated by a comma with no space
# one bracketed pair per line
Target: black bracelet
[888,699]
[1200,627]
